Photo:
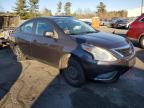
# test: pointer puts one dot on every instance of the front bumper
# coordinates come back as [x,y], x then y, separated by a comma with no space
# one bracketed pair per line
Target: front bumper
[122,26]
[96,68]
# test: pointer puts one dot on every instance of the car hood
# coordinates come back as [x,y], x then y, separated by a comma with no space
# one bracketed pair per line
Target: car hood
[102,39]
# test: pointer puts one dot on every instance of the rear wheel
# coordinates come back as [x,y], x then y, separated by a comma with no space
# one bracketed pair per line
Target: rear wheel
[17,51]
[74,74]
[142,42]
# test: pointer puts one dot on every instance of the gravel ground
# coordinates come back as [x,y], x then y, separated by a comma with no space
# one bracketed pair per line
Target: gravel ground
[113,30]
[37,85]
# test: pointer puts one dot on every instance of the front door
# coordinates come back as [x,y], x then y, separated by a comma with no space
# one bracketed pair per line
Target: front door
[46,48]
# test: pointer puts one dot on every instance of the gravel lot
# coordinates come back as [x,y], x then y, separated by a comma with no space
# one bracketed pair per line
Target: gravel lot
[31,83]
[112,30]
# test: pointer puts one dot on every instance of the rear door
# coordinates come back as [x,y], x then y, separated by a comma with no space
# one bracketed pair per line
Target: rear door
[24,36]
[46,48]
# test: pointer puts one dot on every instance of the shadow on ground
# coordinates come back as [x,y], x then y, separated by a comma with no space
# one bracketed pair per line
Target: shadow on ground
[10,70]
[128,92]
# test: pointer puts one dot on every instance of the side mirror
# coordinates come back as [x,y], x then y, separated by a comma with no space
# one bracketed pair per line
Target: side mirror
[49,34]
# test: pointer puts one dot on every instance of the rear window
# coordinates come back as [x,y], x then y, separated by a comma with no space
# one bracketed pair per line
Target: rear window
[27,28]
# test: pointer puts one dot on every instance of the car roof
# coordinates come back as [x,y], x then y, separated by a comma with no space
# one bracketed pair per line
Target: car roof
[58,17]
[50,18]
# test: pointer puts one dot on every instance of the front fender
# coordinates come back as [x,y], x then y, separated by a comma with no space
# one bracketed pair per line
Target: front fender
[63,63]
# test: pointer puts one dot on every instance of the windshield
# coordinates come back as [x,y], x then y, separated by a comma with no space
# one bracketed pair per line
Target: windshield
[74,27]
[123,21]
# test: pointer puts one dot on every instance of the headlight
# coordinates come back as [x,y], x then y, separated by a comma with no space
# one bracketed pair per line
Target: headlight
[98,53]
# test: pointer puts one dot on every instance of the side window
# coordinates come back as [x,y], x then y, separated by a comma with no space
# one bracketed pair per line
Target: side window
[43,26]
[142,20]
[28,27]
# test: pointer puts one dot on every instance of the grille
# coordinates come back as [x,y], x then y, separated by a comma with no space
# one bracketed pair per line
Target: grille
[125,52]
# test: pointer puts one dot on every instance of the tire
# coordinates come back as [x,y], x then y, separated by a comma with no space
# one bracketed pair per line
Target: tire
[18,53]
[74,74]
[142,42]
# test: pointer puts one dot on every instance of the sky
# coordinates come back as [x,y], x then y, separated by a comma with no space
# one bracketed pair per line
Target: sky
[7,5]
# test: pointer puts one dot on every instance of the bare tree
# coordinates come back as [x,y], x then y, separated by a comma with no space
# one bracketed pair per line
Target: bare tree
[101,10]
[46,12]
[84,13]
[120,13]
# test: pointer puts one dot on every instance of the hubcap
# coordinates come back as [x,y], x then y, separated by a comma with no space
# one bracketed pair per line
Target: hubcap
[72,72]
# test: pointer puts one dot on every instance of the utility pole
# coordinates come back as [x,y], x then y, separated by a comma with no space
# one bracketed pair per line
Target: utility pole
[141,6]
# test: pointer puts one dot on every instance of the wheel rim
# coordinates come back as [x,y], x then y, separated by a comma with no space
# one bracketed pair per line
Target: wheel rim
[72,73]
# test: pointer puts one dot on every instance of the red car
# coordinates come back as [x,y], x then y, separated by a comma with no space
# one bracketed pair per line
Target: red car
[136,30]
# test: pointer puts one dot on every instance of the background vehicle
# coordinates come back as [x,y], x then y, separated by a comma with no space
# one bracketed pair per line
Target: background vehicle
[131,20]
[78,50]
[136,30]
[112,22]
[104,22]
[121,23]
[3,39]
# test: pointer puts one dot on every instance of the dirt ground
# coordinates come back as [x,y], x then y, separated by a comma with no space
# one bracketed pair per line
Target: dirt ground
[33,84]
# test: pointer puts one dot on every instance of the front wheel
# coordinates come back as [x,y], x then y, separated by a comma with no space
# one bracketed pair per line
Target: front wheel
[142,42]
[74,74]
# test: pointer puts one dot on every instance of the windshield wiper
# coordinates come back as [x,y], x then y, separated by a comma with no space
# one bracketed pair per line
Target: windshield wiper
[73,34]
[83,33]
[89,32]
